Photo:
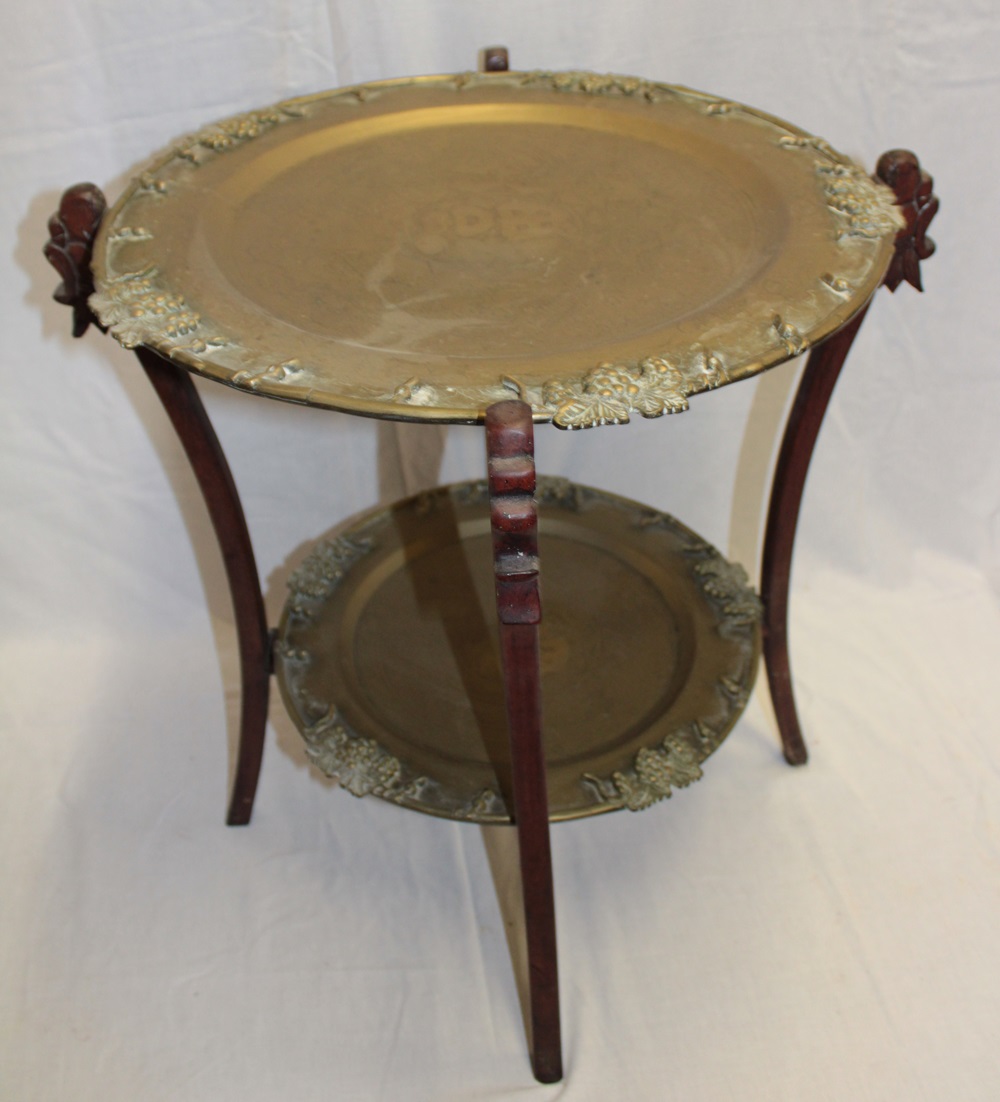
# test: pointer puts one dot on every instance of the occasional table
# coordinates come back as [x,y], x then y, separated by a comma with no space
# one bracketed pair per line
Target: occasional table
[508,249]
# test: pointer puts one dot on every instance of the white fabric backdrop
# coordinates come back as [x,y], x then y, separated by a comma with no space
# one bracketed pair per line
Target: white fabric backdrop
[827,933]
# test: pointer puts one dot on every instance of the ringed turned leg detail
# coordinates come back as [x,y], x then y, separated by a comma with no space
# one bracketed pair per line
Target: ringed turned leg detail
[187,414]
[513,518]
[901,170]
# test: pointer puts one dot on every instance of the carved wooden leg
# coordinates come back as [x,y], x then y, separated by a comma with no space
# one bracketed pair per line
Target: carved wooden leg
[901,170]
[511,464]
[184,407]
[72,230]
[811,400]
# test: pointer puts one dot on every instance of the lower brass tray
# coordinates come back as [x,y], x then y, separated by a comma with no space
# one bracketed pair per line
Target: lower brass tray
[388,658]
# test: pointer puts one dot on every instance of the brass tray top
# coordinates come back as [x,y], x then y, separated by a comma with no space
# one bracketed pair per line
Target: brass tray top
[388,661]
[417,249]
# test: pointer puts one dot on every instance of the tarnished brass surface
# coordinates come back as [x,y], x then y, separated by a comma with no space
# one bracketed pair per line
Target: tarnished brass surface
[388,660]
[417,249]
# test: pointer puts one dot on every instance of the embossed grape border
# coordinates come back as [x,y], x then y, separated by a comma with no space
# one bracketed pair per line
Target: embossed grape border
[139,308]
[363,767]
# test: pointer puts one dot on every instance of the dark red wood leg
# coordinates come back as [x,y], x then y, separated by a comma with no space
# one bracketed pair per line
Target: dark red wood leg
[901,171]
[811,400]
[511,464]
[69,249]
[184,407]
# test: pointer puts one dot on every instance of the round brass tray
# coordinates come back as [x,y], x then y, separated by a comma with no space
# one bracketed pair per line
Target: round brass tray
[418,249]
[388,658]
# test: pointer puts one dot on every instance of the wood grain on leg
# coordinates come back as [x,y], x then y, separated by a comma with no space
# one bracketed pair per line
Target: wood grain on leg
[187,414]
[511,465]
[801,431]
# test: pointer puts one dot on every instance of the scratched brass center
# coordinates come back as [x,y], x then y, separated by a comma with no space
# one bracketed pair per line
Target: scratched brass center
[480,238]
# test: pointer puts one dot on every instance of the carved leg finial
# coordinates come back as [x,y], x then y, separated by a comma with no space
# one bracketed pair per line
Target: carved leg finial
[495,59]
[513,518]
[914,188]
[72,230]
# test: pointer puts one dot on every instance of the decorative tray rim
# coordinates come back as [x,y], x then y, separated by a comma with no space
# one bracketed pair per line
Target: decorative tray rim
[140,307]
[658,766]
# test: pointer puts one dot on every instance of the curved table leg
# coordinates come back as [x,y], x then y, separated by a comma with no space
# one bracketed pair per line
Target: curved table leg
[511,467]
[901,170]
[818,380]
[72,230]
[184,407]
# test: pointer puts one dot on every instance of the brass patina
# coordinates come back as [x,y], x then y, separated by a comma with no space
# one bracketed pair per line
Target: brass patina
[387,654]
[418,249]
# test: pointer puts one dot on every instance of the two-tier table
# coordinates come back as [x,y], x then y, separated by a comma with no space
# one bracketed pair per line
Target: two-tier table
[504,248]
